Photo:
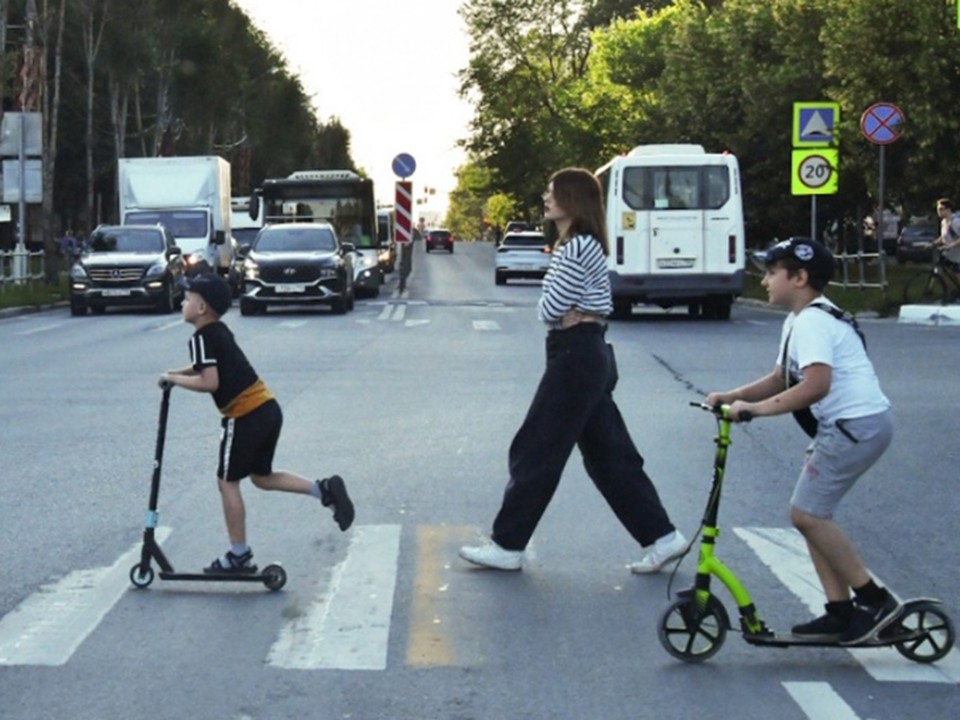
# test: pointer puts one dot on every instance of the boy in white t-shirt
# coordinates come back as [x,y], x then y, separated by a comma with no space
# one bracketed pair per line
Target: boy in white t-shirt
[949,240]
[822,366]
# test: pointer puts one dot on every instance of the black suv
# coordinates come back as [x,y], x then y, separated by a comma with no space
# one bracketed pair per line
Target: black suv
[127,265]
[296,264]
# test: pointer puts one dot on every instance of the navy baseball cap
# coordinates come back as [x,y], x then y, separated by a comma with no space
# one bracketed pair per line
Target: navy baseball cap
[214,290]
[810,254]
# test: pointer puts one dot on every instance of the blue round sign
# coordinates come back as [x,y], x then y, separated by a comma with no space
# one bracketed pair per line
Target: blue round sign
[882,123]
[404,165]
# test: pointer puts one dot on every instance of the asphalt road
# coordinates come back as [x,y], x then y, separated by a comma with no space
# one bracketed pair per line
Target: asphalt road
[414,400]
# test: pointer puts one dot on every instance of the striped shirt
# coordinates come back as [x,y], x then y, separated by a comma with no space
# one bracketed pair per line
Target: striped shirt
[577,278]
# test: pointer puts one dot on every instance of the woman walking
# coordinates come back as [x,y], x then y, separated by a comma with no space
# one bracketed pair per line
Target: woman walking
[574,403]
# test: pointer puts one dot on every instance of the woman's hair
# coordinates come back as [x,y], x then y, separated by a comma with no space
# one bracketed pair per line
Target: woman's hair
[578,192]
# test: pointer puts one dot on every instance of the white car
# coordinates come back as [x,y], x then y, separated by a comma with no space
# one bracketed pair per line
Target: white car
[524,254]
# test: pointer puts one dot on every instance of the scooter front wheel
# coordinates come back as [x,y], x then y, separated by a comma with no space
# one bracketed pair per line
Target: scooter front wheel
[932,630]
[141,575]
[691,635]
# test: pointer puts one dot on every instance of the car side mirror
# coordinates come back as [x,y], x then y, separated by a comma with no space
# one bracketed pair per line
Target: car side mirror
[243,250]
[348,247]
[174,251]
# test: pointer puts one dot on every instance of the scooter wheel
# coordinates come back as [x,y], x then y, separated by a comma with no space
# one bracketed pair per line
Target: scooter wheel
[274,577]
[933,631]
[691,635]
[141,576]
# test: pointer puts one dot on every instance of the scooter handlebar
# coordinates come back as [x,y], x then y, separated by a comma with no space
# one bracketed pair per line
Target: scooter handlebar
[722,411]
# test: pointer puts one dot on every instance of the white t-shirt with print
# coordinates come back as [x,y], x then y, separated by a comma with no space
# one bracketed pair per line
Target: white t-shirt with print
[815,336]
[950,230]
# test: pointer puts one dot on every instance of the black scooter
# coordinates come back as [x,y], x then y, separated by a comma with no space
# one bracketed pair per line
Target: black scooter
[272,576]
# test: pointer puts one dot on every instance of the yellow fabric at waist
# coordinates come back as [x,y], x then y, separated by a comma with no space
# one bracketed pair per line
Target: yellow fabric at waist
[247,401]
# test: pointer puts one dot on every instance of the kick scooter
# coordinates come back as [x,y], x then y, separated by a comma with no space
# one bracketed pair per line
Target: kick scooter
[695,625]
[273,576]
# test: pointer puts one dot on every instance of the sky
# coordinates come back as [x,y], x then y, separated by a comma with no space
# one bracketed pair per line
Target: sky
[387,69]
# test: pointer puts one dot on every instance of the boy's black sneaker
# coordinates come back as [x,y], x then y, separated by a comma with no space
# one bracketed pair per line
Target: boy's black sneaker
[232,564]
[334,492]
[868,620]
[827,628]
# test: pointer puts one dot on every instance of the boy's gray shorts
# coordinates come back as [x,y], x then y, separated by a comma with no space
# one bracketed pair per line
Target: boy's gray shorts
[840,453]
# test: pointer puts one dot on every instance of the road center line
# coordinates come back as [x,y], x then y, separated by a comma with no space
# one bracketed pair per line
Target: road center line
[429,642]
[784,551]
[49,625]
[348,627]
[42,328]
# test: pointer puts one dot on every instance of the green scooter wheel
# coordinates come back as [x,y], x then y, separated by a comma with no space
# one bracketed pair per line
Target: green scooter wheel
[933,631]
[692,635]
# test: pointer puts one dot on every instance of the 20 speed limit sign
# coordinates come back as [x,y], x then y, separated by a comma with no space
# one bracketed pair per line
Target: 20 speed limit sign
[814,171]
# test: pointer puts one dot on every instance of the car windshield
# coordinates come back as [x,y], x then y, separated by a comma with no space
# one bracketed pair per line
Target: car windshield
[920,229]
[181,223]
[524,241]
[286,239]
[245,235]
[132,241]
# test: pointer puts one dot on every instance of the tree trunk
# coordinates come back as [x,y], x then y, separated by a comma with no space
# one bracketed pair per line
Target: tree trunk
[51,109]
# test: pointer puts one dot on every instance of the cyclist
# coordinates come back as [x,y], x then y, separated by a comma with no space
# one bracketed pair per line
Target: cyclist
[949,240]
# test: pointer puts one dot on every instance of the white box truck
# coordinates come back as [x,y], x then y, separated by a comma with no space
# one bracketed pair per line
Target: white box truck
[190,196]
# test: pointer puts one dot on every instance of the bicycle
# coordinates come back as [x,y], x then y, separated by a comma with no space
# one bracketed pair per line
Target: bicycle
[929,287]
[695,625]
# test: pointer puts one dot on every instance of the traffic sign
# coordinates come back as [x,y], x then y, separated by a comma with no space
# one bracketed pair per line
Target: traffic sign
[815,124]
[815,172]
[882,123]
[404,211]
[404,165]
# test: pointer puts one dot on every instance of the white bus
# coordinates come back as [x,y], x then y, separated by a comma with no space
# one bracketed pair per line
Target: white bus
[675,227]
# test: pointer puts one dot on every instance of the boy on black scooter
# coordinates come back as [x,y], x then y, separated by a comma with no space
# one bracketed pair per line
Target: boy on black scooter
[251,420]
[823,366]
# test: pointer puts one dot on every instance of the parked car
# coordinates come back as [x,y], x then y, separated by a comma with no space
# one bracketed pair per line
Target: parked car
[438,240]
[916,240]
[131,265]
[296,264]
[523,254]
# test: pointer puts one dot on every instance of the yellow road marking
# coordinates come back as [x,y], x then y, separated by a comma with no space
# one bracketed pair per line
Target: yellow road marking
[429,643]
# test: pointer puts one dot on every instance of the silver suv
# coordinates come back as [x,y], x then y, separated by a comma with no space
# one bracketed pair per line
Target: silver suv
[524,254]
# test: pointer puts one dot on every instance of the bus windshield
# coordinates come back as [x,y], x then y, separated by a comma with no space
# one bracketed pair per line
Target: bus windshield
[339,197]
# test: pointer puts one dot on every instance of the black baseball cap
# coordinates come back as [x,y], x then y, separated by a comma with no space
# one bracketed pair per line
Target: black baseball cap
[214,290]
[810,254]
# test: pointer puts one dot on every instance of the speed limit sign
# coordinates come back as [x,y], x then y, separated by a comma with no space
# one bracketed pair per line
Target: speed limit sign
[814,172]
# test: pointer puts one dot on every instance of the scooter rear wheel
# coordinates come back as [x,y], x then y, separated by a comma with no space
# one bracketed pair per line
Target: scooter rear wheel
[690,635]
[141,576]
[934,629]
[274,577]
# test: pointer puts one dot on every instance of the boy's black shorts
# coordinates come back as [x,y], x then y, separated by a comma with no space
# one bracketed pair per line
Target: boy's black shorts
[247,443]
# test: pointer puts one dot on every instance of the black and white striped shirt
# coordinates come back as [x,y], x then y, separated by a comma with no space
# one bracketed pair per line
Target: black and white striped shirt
[577,278]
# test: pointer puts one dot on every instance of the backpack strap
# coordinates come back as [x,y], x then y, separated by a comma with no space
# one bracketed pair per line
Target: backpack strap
[845,317]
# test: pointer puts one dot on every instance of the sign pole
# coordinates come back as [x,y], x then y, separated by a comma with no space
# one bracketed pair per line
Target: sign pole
[813,217]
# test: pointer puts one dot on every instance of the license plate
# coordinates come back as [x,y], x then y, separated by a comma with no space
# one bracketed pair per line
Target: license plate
[675,263]
[290,288]
[116,292]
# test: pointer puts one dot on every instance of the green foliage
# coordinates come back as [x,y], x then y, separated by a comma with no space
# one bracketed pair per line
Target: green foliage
[499,210]
[724,75]
[185,77]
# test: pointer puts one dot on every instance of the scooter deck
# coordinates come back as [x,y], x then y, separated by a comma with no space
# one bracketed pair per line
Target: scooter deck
[889,636]
[213,577]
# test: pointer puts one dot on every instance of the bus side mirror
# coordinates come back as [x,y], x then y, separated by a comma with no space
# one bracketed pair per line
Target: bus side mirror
[219,237]
[254,206]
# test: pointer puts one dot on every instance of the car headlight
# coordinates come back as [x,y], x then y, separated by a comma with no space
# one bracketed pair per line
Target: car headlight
[156,270]
[251,271]
[367,261]
[194,259]
[78,272]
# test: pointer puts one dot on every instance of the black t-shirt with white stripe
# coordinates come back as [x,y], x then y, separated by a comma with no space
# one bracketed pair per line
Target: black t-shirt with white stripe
[214,346]
[577,278]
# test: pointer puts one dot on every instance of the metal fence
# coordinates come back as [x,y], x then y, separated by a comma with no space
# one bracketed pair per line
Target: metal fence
[19,266]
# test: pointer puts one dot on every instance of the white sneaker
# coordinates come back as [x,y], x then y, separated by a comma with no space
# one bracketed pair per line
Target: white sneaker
[493,556]
[664,551]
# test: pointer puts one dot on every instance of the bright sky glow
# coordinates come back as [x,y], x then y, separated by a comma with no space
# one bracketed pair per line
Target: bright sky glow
[387,69]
